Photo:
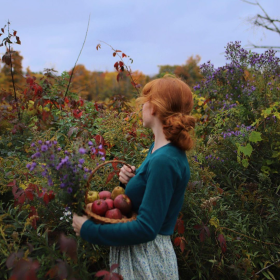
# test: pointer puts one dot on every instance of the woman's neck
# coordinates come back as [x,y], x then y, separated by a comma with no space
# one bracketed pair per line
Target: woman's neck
[160,139]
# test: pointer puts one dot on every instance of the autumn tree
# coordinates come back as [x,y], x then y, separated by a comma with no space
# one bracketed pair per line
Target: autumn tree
[6,76]
[189,71]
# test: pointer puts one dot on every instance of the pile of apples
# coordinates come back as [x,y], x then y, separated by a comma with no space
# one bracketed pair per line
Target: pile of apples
[113,205]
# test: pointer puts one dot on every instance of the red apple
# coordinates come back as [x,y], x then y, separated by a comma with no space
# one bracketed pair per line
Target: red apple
[110,203]
[113,214]
[122,202]
[99,207]
[104,194]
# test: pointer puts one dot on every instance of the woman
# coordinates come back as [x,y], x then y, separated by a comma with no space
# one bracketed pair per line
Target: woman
[143,248]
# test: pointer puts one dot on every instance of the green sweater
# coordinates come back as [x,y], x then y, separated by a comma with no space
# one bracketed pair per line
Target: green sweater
[157,194]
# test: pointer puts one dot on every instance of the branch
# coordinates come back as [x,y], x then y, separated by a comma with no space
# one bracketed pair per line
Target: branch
[77,59]
[264,47]
[278,261]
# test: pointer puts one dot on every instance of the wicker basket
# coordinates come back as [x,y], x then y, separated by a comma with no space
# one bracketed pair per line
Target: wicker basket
[99,219]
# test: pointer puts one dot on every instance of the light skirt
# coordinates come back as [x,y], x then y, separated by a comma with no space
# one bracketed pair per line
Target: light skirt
[155,260]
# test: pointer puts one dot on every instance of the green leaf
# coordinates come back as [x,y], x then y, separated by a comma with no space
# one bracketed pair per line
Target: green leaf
[255,136]
[247,150]
[245,163]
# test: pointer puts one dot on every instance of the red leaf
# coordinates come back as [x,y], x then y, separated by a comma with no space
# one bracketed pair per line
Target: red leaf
[99,140]
[114,54]
[181,228]
[220,190]
[118,77]
[182,245]
[101,273]
[52,272]
[2,29]
[124,55]
[121,64]
[110,176]
[116,65]
[29,195]
[21,199]
[177,241]
[118,51]
[206,228]
[115,165]
[202,235]
[68,245]
[15,33]
[11,184]
[98,46]
[46,199]
[113,267]
[222,242]
[198,227]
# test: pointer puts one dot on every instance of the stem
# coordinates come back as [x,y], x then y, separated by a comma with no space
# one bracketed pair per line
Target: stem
[127,68]
[278,261]
[77,59]
[12,74]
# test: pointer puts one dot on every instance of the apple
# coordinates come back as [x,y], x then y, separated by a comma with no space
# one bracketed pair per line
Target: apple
[99,207]
[123,202]
[116,191]
[92,196]
[113,214]
[104,194]
[110,203]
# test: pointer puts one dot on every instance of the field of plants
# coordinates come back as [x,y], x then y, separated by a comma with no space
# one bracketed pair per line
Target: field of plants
[51,139]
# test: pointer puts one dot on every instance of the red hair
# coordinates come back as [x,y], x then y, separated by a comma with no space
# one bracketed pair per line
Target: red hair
[173,101]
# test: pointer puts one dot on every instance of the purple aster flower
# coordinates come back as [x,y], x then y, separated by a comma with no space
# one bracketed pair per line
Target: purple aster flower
[85,176]
[52,157]
[44,148]
[58,149]
[50,182]
[81,161]
[90,143]
[82,151]
[69,190]
[100,146]
[93,150]
[80,166]
[44,173]
[62,185]
[47,142]
[32,145]
[101,153]
[28,165]
[55,142]
[103,158]
[40,142]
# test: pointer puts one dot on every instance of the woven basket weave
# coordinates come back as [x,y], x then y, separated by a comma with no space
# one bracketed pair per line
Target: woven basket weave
[99,219]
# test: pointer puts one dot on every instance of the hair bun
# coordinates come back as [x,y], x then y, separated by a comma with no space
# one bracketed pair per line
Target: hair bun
[176,129]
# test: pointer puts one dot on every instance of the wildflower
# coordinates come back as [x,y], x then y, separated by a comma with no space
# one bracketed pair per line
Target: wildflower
[40,142]
[81,161]
[82,151]
[103,158]
[62,185]
[100,146]
[69,190]
[90,143]
[58,149]
[32,145]
[28,166]
[55,142]
[44,148]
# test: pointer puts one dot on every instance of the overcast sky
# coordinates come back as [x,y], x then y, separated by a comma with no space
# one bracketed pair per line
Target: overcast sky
[152,32]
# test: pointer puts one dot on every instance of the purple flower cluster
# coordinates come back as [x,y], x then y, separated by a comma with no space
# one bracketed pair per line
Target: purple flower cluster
[240,132]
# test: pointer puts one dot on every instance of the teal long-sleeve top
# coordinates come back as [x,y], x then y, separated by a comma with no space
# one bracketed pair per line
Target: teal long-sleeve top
[157,194]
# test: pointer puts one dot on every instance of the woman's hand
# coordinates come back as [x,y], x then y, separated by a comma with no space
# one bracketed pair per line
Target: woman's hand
[78,221]
[126,174]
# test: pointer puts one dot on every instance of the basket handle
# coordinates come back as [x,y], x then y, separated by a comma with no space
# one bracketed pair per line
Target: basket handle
[104,163]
